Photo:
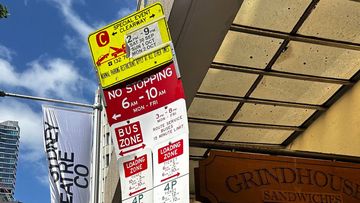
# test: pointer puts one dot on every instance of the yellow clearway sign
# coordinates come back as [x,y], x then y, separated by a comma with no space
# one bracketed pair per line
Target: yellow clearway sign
[131,46]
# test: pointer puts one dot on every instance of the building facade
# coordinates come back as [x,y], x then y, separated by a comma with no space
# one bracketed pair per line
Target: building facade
[9,148]
[105,155]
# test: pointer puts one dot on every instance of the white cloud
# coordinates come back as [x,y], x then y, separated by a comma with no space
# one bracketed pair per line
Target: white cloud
[6,53]
[43,179]
[77,44]
[32,152]
[7,73]
[73,19]
[30,124]
[48,78]
[42,174]
[124,12]
[54,77]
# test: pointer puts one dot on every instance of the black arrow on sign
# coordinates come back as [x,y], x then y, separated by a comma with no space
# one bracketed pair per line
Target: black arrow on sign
[114,33]
[153,15]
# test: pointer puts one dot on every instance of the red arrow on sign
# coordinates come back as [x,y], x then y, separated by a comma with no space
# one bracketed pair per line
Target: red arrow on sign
[132,193]
[122,153]
[177,174]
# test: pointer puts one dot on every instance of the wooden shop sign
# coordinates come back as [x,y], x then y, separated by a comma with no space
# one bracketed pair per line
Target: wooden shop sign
[252,178]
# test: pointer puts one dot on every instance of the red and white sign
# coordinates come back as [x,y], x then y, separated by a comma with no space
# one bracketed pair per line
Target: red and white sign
[173,191]
[143,94]
[171,159]
[136,174]
[129,137]
[156,126]
[170,151]
[145,197]
[135,166]
[148,120]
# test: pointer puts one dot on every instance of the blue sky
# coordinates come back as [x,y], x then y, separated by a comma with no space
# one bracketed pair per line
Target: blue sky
[44,52]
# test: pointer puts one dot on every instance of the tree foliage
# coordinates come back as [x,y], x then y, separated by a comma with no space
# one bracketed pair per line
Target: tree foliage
[4,13]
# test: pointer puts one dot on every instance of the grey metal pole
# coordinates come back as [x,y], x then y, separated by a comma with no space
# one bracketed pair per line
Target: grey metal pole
[96,149]
[6,94]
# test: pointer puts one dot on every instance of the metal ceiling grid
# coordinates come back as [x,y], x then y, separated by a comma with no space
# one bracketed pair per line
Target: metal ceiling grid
[219,81]
[292,90]
[256,51]
[211,109]
[272,12]
[334,19]
[255,135]
[204,131]
[330,62]
[274,86]
[272,114]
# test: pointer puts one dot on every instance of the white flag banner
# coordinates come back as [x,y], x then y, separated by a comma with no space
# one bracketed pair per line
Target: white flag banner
[67,141]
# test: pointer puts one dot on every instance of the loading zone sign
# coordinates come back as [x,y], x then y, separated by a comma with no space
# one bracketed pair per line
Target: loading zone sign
[136,174]
[131,46]
[171,160]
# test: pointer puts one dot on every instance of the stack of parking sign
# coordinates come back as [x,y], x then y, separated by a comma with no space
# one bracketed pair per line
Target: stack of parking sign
[145,106]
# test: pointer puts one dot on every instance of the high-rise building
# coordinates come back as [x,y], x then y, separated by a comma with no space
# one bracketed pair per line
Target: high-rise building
[9,148]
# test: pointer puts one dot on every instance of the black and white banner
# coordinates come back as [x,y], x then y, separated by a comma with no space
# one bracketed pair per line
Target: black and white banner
[67,141]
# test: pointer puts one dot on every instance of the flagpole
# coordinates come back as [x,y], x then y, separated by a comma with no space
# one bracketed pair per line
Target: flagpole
[96,149]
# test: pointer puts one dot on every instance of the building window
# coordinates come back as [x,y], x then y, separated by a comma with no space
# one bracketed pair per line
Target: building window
[107,138]
[107,160]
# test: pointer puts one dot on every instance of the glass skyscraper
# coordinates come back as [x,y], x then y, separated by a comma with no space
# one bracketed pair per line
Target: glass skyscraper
[9,148]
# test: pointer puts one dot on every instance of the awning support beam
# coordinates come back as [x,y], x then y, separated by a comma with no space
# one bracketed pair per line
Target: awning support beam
[294,37]
[267,149]
[280,74]
[259,101]
[244,124]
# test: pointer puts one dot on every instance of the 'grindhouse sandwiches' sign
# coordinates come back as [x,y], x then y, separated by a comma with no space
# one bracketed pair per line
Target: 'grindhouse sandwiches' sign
[231,177]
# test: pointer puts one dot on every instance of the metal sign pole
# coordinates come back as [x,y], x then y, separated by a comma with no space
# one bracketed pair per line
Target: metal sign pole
[7,94]
[96,149]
